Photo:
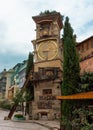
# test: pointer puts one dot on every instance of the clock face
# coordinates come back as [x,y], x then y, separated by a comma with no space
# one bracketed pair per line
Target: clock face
[47,50]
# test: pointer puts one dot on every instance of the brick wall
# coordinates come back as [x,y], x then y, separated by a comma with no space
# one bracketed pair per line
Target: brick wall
[87,65]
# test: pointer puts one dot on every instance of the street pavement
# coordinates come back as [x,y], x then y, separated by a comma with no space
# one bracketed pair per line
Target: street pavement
[26,125]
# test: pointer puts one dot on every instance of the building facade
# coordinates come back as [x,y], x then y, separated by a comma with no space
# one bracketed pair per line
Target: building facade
[85,49]
[22,73]
[17,79]
[3,80]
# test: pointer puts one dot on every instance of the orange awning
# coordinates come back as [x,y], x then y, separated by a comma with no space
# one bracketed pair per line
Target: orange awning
[84,95]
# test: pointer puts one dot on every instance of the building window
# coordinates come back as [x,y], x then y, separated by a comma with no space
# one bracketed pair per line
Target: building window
[87,46]
[44,30]
[78,48]
[82,47]
[47,91]
[92,44]
[42,71]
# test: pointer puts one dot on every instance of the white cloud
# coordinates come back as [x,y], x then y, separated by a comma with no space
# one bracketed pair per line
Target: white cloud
[17,27]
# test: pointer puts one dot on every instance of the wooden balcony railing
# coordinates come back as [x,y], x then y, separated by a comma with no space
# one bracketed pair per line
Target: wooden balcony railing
[47,74]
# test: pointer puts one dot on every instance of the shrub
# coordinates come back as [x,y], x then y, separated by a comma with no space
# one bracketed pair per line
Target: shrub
[18,116]
[5,105]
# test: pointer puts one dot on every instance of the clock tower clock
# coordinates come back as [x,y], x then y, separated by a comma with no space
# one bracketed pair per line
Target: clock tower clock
[47,50]
[47,74]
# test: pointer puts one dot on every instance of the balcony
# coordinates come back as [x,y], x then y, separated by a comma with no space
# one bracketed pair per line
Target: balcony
[46,74]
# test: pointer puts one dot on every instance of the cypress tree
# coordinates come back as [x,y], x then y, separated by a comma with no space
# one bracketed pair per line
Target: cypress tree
[71,69]
[29,64]
[29,95]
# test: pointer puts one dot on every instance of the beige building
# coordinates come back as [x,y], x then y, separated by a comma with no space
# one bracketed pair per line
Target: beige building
[47,75]
[5,82]
[8,83]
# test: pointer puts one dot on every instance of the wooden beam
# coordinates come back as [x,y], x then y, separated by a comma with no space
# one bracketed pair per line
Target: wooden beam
[85,95]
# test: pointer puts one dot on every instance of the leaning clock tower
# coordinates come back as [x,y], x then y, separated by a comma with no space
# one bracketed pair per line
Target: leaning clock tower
[47,75]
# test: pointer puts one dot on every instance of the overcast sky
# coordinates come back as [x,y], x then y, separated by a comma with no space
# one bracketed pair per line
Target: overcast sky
[17,27]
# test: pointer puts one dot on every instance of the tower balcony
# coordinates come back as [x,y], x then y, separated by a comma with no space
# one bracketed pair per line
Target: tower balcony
[50,73]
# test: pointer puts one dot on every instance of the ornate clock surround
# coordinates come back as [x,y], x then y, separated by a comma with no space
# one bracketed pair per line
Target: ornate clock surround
[47,50]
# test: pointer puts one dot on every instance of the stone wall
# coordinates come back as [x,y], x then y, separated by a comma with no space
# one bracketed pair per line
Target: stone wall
[46,104]
[52,63]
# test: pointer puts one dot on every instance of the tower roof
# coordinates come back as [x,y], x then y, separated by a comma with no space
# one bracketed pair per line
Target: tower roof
[46,18]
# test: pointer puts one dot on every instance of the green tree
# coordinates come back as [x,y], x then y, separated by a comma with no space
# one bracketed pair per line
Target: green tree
[47,12]
[86,83]
[71,69]
[19,97]
[29,88]
[29,64]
